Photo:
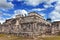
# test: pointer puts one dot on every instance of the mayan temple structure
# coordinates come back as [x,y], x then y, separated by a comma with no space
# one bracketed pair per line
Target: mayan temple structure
[32,24]
[56,28]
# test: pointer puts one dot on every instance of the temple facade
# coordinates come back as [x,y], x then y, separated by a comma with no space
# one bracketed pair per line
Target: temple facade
[32,24]
[56,28]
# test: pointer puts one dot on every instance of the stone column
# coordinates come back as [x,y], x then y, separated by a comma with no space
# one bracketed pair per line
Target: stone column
[10,28]
[3,29]
[59,26]
[44,28]
[0,28]
[35,32]
[53,32]
[17,27]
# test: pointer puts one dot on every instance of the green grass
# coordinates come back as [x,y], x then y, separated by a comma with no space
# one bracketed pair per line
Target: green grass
[12,37]
[50,38]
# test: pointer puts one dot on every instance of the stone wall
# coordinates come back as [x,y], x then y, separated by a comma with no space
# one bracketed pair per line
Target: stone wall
[30,25]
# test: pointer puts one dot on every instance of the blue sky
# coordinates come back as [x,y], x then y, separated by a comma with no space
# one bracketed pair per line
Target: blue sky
[46,8]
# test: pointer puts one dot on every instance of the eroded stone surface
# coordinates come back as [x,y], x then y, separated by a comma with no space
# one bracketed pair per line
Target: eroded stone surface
[31,25]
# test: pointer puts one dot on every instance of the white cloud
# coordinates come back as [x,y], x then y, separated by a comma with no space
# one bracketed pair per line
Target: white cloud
[37,2]
[47,5]
[21,12]
[2,19]
[33,2]
[5,5]
[50,1]
[6,14]
[57,7]
[55,15]
[16,12]
[37,9]
[42,14]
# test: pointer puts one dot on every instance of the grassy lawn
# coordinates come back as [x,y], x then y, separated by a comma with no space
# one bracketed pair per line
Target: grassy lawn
[50,38]
[11,37]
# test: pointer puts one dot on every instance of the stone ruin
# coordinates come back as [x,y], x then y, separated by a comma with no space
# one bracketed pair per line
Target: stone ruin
[32,25]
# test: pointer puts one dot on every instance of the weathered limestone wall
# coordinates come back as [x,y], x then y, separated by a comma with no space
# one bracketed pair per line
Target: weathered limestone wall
[30,25]
[55,27]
